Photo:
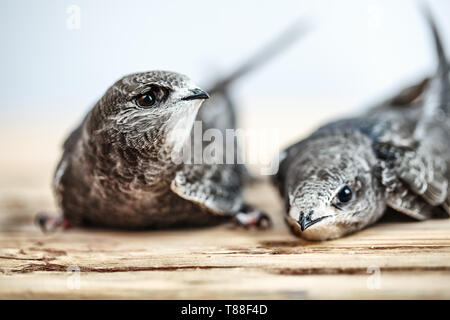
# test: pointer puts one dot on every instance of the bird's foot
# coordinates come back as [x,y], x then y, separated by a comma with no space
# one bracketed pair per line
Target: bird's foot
[252,217]
[49,223]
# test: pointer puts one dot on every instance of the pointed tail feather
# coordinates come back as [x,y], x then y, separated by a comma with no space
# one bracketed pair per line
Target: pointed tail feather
[439,90]
[444,65]
[436,110]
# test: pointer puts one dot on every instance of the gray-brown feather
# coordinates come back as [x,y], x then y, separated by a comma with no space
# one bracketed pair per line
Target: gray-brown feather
[116,169]
[403,142]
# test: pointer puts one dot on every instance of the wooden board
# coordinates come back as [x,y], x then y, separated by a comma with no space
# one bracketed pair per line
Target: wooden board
[394,259]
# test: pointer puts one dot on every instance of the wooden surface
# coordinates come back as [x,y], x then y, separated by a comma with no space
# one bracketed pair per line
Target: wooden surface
[395,259]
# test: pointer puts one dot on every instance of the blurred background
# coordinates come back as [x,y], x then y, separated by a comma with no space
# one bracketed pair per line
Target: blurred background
[58,57]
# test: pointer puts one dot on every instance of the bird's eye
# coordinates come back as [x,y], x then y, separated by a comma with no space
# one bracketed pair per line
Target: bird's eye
[146,100]
[345,194]
[153,95]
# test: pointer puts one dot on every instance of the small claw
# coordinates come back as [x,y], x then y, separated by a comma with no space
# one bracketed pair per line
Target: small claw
[255,218]
[49,223]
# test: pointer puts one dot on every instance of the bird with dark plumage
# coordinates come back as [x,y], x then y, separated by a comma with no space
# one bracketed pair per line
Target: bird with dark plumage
[343,176]
[117,169]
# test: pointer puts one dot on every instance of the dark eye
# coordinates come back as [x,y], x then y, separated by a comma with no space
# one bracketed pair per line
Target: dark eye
[146,100]
[345,194]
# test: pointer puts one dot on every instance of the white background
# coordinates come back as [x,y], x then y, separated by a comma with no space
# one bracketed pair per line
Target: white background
[357,51]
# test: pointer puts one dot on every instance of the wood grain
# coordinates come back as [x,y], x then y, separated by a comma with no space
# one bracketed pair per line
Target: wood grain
[394,259]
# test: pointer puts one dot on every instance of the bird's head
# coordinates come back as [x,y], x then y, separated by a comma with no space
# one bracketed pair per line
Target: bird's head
[332,190]
[144,109]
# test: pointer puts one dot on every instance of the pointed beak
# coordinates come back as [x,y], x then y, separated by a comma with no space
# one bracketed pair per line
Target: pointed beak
[196,94]
[306,221]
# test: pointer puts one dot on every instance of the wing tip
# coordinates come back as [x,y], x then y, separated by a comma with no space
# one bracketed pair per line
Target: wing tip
[437,39]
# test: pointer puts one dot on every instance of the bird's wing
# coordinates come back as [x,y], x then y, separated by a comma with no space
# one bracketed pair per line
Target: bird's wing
[410,94]
[285,39]
[414,177]
[408,101]
[416,174]
[216,187]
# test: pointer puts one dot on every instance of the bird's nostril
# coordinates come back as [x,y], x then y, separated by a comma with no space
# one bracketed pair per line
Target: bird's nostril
[305,220]
[305,217]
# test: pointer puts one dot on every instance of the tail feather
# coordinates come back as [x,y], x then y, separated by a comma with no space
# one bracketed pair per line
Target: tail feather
[436,108]
[443,66]
[439,91]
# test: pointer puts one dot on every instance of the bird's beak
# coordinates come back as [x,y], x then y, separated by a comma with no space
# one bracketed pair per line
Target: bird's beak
[196,94]
[306,221]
